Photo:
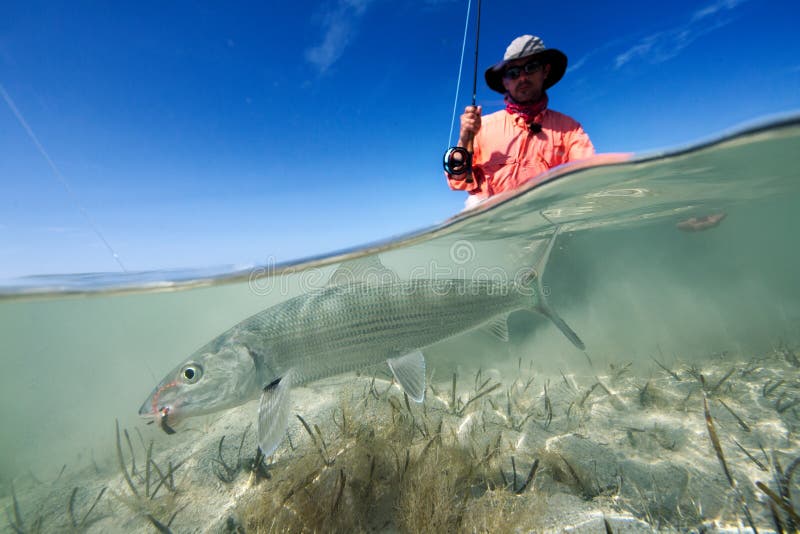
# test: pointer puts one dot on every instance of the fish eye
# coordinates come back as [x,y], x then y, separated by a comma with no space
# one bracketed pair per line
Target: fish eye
[191,373]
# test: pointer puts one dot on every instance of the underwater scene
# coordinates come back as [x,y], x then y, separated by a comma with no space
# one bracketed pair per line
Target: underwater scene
[616,349]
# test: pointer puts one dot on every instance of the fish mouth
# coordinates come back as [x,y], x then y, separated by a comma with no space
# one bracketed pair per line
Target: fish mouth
[162,417]
[146,410]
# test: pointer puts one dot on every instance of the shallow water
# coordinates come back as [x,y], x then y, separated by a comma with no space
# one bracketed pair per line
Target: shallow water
[644,295]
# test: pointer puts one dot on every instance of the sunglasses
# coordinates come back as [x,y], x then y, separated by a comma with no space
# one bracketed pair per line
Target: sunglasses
[512,73]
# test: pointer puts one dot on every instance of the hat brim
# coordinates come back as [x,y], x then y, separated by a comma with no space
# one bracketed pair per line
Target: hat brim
[555,58]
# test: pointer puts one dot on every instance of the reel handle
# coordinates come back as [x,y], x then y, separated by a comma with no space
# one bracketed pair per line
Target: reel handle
[458,161]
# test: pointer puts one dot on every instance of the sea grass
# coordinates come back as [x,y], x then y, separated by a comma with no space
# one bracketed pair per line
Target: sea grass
[121,461]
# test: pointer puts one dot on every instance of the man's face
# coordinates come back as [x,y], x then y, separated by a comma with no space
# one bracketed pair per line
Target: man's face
[525,87]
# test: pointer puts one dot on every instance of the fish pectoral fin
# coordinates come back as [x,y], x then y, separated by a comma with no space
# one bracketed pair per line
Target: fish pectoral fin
[409,371]
[498,328]
[273,414]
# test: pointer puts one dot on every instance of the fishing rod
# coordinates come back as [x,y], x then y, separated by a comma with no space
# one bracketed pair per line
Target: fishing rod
[458,159]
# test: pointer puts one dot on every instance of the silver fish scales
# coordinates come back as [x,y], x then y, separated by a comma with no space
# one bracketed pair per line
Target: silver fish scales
[344,327]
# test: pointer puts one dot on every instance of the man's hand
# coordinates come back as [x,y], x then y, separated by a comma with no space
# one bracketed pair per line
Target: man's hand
[470,124]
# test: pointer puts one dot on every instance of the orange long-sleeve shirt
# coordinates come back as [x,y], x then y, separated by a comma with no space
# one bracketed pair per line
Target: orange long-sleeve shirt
[507,154]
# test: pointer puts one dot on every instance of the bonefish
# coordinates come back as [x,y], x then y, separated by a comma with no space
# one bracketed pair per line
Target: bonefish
[352,323]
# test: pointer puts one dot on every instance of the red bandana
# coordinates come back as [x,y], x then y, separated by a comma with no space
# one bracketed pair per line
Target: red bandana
[529,112]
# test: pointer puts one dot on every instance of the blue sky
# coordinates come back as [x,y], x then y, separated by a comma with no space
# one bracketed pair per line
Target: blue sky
[195,134]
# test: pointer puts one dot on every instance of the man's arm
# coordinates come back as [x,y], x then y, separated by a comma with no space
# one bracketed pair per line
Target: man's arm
[579,146]
[470,125]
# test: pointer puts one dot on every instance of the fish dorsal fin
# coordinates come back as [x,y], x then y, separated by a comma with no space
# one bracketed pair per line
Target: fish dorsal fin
[368,269]
[273,413]
[409,371]
[498,327]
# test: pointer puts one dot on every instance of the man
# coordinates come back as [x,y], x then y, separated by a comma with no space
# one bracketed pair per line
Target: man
[520,142]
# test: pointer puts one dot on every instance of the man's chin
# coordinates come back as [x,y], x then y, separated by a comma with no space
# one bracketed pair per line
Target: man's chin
[526,97]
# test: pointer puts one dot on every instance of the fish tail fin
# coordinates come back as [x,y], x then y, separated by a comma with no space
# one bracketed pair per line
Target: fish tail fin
[562,325]
[534,280]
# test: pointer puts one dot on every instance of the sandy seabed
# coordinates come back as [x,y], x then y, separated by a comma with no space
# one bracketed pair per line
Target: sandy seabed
[688,448]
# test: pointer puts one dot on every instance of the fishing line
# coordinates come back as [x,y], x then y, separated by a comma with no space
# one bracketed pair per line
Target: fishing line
[60,177]
[460,69]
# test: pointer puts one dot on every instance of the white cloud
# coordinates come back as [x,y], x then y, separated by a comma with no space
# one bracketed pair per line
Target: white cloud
[639,50]
[664,45]
[575,65]
[339,23]
[712,9]
[602,49]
